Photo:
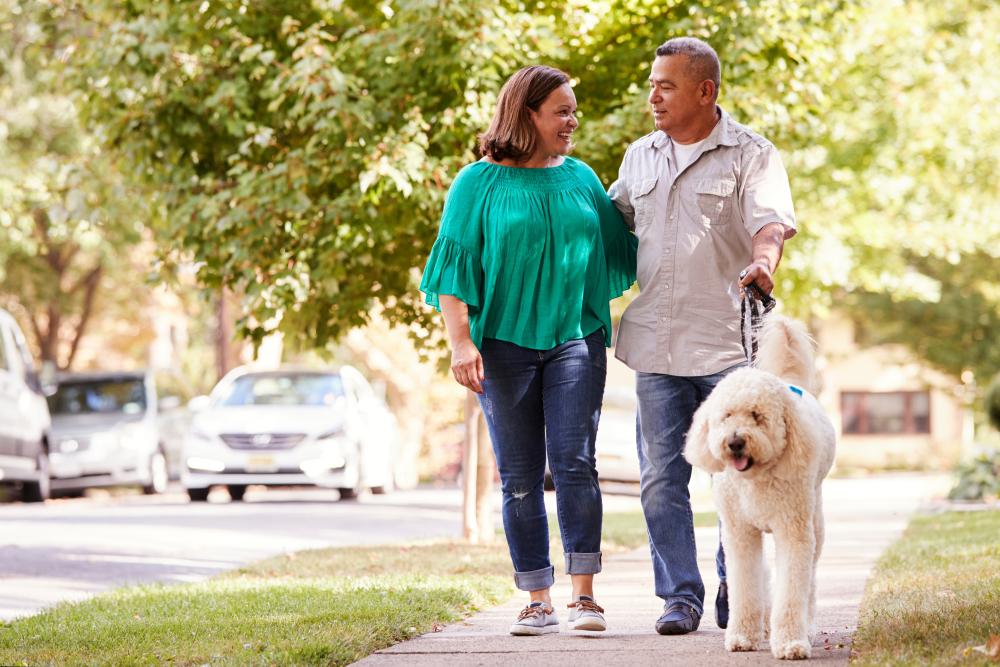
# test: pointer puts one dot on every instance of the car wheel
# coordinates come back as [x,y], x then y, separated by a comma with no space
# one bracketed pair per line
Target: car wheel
[237,491]
[198,495]
[348,493]
[40,491]
[157,474]
[387,487]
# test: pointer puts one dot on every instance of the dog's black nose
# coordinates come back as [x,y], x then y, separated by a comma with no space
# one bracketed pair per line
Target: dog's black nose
[736,444]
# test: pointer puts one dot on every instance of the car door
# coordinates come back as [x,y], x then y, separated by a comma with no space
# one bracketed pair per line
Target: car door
[8,399]
[17,398]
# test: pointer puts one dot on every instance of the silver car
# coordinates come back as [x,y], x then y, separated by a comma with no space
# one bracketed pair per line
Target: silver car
[105,433]
[24,417]
[290,428]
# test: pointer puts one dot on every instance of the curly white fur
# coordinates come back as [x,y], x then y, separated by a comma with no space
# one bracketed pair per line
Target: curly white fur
[770,449]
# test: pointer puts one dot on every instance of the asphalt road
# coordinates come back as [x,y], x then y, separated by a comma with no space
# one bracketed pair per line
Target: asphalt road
[71,549]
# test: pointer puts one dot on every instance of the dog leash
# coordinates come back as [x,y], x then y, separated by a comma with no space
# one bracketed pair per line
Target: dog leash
[755,305]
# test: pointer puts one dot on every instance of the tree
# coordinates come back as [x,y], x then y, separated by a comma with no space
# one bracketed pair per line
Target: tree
[303,151]
[65,212]
[903,182]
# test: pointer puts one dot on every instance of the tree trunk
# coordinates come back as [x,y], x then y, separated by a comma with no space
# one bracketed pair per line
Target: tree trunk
[89,284]
[226,350]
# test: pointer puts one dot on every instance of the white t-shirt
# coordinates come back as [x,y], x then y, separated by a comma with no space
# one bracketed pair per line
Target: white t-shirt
[684,154]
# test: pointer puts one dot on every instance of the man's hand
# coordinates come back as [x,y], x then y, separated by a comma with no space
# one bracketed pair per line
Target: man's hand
[467,365]
[758,272]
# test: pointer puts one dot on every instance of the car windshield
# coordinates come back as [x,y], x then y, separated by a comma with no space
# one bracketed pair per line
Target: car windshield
[306,389]
[126,396]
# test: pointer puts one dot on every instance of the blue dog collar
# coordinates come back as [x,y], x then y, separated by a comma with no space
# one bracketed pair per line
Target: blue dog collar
[796,390]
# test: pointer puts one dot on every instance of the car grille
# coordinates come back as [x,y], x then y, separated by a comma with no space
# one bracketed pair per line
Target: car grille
[262,440]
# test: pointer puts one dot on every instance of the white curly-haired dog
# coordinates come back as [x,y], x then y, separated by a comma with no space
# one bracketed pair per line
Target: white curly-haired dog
[763,433]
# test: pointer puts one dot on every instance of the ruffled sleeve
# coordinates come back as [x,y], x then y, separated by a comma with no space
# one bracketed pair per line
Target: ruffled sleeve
[455,270]
[620,244]
[455,264]
[620,247]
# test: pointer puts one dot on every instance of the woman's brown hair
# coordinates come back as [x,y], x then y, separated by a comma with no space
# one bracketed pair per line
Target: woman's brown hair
[511,135]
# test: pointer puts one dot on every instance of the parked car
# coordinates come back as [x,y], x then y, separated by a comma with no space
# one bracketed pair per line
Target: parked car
[105,432]
[24,417]
[290,427]
[617,455]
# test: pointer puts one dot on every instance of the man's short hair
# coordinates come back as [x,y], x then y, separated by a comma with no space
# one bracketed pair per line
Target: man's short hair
[703,61]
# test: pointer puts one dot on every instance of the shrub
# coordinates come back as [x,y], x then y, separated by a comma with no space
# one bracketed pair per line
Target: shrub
[978,479]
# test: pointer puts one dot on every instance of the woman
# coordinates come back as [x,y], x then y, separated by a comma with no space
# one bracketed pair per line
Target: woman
[529,254]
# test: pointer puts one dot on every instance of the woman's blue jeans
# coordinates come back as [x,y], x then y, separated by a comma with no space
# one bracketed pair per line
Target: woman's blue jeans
[667,404]
[538,403]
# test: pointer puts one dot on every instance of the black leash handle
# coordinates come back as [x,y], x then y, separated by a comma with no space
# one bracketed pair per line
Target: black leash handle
[755,305]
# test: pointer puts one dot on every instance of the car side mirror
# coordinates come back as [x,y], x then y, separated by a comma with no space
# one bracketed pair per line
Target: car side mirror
[198,403]
[43,382]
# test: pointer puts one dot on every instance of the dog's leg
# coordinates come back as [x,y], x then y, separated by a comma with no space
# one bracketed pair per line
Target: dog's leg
[795,549]
[819,532]
[746,575]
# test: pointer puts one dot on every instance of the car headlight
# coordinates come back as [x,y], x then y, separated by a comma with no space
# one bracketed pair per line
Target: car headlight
[206,465]
[199,434]
[331,434]
[68,446]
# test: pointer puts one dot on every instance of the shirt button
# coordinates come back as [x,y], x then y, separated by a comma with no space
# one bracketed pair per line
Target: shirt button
[673,187]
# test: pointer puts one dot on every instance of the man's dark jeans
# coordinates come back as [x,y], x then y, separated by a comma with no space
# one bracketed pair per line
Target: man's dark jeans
[667,404]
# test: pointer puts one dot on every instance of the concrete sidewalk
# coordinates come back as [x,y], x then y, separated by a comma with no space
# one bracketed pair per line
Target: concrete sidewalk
[863,517]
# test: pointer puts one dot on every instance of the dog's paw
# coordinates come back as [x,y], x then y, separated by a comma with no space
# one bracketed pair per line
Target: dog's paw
[736,641]
[795,649]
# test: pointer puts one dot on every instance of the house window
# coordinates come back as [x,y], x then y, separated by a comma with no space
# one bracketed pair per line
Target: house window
[893,412]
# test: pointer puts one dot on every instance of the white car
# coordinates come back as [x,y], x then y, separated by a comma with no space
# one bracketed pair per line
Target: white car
[105,432]
[617,454]
[290,428]
[24,417]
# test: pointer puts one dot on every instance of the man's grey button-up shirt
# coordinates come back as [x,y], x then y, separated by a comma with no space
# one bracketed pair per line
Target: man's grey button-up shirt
[695,234]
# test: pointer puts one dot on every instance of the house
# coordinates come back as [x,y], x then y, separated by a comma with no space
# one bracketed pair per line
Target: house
[890,411]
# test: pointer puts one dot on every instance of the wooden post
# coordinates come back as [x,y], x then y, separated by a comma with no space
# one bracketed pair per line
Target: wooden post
[470,469]
[486,464]
[477,475]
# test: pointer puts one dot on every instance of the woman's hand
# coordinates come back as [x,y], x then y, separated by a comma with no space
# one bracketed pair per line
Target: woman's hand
[467,365]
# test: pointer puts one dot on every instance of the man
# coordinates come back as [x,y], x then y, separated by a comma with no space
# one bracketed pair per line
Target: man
[708,198]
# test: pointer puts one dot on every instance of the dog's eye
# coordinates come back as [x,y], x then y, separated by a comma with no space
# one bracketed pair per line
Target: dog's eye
[757,417]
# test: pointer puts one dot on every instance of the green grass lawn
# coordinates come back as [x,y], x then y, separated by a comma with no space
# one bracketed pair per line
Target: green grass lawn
[320,607]
[935,594]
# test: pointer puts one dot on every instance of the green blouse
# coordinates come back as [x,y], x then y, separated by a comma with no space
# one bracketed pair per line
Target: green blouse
[536,254]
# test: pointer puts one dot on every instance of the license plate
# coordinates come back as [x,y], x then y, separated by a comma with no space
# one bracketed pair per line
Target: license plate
[261,464]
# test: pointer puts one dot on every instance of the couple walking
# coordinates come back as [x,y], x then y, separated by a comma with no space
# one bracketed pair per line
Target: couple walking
[531,250]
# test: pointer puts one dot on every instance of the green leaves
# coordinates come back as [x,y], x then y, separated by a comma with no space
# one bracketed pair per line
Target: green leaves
[302,151]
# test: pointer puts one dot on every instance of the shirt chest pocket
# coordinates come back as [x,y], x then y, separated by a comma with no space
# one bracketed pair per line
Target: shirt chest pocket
[642,193]
[716,200]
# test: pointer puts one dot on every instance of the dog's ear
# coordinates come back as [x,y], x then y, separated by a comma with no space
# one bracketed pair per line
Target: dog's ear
[795,443]
[696,449]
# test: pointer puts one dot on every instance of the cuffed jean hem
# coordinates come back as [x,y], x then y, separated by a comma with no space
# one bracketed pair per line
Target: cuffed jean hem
[583,563]
[535,580]
[695,604]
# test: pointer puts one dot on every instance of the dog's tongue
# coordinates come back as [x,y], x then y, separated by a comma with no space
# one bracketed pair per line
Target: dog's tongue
[741,463]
